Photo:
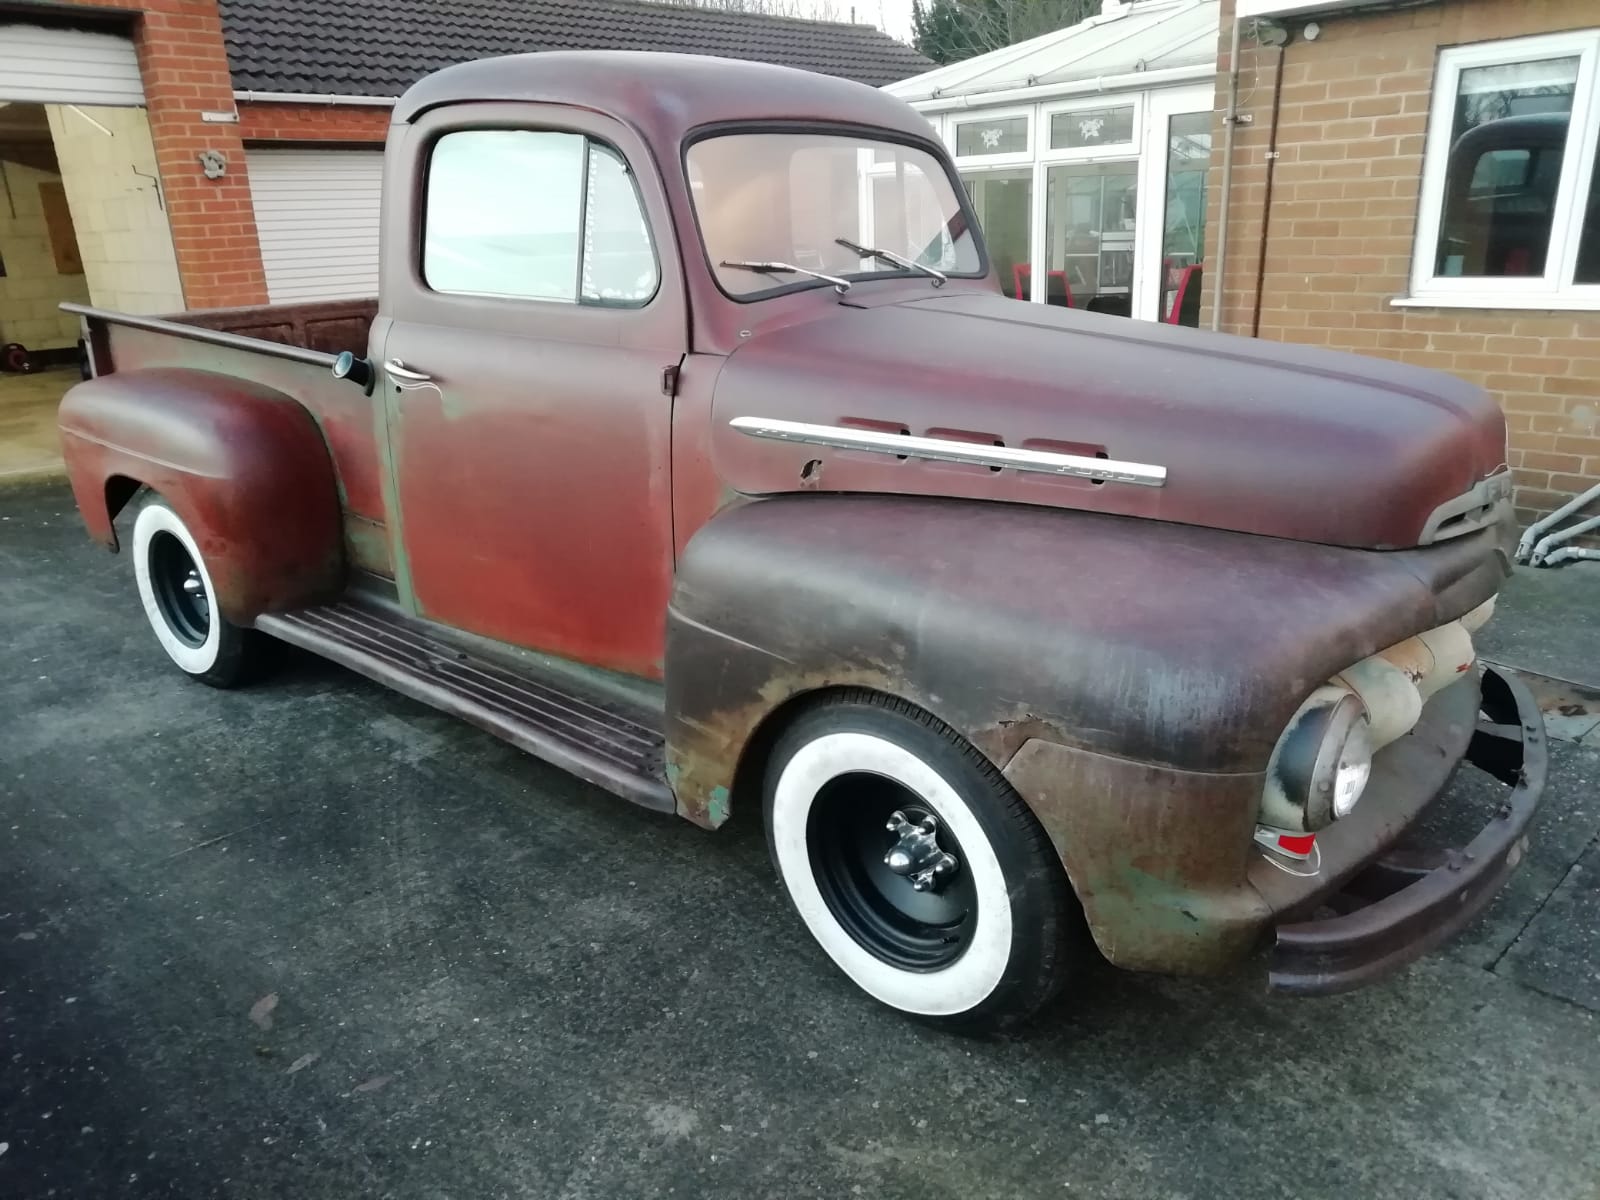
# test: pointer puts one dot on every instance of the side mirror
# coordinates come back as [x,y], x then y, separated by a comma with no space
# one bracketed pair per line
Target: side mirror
[357,370]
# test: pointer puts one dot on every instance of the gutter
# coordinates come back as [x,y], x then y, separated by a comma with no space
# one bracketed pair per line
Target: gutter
[1026,92]
[248,97]
[1306,9]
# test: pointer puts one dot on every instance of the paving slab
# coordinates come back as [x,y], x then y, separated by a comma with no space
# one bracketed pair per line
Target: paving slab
[1566,827]
[1548,621]
[1556,953]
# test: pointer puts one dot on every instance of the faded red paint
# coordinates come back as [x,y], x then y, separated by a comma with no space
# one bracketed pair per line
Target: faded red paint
[534,480]
[350,421]
[1354,452]
[246,469]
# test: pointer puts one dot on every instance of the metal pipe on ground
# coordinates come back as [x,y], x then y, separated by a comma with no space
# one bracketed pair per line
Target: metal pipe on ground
[1569,553]
[1550,542]
[1536,530]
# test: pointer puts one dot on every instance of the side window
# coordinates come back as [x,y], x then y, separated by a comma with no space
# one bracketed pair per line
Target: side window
[535,215]
[619,263]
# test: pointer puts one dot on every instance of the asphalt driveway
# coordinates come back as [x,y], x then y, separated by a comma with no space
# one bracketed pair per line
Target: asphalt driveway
[313,940]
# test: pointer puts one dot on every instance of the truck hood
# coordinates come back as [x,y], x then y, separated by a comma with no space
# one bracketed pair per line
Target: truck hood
[1258,437]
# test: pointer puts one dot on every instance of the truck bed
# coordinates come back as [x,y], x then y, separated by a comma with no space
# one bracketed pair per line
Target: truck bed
[327,326]
[286,347]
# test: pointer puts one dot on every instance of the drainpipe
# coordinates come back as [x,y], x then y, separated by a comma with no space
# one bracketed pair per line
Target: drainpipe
[1229,120]
[1266,198]
[1525,546]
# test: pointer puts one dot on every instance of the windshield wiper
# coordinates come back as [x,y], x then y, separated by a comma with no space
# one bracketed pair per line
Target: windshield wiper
[939,277]
[778,268]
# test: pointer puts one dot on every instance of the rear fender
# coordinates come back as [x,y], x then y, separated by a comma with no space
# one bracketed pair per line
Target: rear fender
[243,465]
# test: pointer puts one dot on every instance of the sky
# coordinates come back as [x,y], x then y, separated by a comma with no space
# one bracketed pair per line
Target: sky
[893,16]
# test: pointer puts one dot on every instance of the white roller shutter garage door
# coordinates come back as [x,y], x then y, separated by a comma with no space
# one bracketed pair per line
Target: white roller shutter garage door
[67,66]
[317,219]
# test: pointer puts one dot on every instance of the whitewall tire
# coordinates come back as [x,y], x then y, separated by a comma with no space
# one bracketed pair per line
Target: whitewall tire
[176,591]
[915,866]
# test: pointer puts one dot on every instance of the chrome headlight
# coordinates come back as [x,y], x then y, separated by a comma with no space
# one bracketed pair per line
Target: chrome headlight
[1321,764]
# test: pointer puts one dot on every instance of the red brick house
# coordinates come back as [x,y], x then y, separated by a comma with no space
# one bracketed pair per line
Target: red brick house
[1418,180]
[163,154]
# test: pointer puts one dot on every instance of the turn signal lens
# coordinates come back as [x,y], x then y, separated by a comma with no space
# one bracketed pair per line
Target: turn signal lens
[1299,846]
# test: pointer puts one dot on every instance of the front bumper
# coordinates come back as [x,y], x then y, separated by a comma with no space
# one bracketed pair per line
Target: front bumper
[1402,904]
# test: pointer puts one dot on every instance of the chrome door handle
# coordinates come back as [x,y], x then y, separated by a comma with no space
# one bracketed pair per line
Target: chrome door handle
[398,370]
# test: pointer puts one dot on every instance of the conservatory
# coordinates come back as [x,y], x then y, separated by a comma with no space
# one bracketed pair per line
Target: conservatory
[1085,152]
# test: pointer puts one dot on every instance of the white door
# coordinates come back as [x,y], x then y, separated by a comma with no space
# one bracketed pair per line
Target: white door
[1172,201]
[317,220]
[67,66]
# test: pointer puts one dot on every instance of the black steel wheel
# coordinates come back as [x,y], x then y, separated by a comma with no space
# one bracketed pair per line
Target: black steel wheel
[915,865]
[179,589]
[855,826]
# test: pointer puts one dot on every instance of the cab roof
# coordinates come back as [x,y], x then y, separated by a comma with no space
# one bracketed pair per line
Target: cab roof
[665,96]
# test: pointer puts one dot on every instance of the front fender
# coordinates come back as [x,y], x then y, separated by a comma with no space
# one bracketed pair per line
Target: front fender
[245,466]
[1159,662]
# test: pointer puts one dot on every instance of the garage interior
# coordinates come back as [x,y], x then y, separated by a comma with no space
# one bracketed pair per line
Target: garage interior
[40,266]
[82,218]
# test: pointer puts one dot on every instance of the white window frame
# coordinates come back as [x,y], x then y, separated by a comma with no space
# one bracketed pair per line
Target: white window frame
[1020,158]
[1109,150]
[1555,289]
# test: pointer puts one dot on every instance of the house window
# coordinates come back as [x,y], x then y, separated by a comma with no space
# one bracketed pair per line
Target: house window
[1510,216]
[535,215]
[997,135]
[1091,127]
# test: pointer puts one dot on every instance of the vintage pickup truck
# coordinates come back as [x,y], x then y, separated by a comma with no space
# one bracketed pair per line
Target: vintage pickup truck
[692,446]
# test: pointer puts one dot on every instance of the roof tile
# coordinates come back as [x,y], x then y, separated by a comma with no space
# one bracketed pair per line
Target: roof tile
[381,47]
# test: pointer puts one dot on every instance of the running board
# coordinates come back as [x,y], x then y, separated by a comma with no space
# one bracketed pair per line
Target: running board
[584,736]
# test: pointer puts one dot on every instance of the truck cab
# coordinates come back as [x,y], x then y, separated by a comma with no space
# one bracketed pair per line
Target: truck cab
[694,446]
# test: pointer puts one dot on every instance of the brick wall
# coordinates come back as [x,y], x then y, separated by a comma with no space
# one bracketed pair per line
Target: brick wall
[354,124]
[183,62]
[185,70]
[1343,213]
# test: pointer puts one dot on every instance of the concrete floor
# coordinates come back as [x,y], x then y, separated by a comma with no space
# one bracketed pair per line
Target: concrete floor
[29,445]
[313,940]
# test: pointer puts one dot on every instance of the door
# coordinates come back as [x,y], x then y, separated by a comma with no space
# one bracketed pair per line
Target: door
[55,65]
[317,214]
[1177,157]
[534,312]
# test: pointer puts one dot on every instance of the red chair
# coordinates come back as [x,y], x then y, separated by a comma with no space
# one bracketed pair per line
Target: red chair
[1022,283]
[1186,299]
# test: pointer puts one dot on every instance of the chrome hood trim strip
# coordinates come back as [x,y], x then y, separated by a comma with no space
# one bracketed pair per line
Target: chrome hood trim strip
[1041,462]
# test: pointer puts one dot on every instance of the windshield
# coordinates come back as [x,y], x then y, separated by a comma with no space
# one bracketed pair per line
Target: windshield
[793,199]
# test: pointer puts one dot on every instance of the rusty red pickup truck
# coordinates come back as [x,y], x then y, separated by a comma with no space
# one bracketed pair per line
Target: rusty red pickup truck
[692,445]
